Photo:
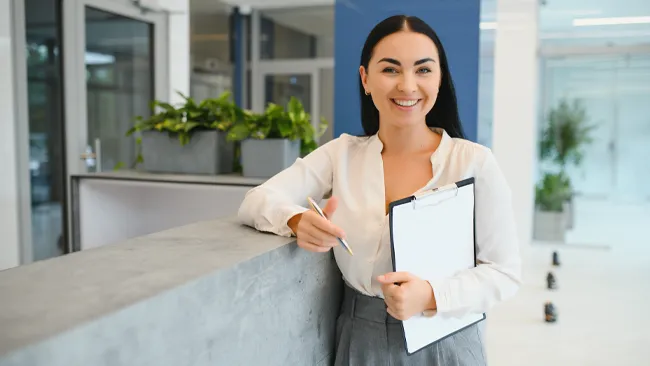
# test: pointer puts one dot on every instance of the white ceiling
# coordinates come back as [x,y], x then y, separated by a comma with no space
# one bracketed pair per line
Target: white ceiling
[556,17]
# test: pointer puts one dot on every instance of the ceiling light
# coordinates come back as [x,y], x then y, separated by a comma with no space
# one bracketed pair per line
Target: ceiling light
[583,22]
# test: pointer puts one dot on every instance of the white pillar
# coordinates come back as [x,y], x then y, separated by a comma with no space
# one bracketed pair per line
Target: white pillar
[9,203]
[178,48]
[514,140]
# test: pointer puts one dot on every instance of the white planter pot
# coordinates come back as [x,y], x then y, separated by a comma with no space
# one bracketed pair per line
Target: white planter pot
[549,226]
[266,158]
[568,207]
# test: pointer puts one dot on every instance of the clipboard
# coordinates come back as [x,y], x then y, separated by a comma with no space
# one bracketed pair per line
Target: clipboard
[432,235]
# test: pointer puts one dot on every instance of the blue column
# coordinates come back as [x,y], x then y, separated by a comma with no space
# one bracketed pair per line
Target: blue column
[456,23]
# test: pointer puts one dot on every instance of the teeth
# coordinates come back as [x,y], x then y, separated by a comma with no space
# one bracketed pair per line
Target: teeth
[406,103]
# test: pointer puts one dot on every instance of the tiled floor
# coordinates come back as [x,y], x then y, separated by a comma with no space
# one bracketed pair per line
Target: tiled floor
[603,299]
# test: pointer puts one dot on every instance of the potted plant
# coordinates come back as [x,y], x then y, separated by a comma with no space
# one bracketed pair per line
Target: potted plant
[562,144]
[273,140]
[550,214]
[190,138]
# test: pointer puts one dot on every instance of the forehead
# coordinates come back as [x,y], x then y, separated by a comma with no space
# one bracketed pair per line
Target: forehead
[405,46]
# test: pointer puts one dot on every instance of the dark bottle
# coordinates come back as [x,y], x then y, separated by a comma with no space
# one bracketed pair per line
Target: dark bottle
[550,281]
[556,259]
[550,313]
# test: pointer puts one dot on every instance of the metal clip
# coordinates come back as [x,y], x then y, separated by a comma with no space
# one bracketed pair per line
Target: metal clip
[419,197]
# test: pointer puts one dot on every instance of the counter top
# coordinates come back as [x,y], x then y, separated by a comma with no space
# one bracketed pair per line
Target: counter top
[132,175]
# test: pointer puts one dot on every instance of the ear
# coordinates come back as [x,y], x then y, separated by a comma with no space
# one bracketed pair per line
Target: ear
[364,77]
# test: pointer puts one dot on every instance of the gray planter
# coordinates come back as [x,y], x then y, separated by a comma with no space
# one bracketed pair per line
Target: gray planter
[266,158]
[549,226]
[208,152]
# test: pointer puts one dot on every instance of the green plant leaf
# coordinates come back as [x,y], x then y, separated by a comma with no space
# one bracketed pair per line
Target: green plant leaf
[190,125]
[238,132]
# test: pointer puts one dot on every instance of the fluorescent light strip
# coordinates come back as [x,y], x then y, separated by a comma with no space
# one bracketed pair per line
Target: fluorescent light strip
[585,22]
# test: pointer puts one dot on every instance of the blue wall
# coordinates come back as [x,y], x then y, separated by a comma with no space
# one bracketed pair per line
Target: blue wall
[457,25]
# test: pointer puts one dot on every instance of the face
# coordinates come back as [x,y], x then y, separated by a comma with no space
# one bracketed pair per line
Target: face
[403,78]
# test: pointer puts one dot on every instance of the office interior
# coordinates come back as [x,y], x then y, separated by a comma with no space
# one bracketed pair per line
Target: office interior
[75,73]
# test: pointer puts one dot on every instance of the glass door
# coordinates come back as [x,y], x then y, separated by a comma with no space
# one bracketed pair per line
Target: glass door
[115,65]
[283,79]
[114,78]
[615,90]
[43,48]
[632,149]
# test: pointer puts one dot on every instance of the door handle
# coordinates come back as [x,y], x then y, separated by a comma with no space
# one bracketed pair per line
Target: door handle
[93,158]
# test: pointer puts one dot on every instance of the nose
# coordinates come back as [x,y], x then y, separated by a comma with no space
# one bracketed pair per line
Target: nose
[407,84]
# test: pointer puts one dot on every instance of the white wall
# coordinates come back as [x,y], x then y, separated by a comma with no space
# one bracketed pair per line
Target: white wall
[9,229]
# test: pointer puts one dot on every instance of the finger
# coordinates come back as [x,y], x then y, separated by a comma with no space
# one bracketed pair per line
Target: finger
[328,227]
[319,242]
[393,313]
[395,277]
[330,207]
[312,247]
[322,237]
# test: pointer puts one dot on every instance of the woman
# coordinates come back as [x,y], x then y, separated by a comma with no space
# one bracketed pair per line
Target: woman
[414,141]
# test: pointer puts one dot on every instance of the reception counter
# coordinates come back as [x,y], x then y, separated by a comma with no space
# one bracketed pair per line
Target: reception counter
[112,207]
[208,293]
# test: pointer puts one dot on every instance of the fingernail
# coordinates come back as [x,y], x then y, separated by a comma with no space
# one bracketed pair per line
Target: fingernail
[381,278]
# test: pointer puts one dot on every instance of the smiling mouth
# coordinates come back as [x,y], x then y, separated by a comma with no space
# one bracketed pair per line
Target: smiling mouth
[406,103]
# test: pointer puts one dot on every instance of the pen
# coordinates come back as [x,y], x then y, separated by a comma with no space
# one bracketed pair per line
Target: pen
[314,205]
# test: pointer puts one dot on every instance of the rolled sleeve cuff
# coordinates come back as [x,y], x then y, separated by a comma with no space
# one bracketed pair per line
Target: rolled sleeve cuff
[284,215]
[441,294]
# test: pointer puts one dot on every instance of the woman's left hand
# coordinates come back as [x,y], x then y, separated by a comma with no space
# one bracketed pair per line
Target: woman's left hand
[411,296]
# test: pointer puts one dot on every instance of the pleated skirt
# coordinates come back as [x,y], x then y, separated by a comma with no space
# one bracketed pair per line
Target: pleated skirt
[367,335]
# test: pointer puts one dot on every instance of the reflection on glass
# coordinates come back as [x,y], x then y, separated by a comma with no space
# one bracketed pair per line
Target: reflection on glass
[327,102]
[280,89]
[297,33]
[615,90]
[46,129]
[119,77]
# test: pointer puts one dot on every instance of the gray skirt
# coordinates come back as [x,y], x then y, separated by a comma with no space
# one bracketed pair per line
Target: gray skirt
[367,335]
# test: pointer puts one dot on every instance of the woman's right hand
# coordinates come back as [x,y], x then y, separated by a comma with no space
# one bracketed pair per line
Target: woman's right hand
[316,233]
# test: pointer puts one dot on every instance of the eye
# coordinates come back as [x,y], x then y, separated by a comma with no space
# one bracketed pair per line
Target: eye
[389,70]
[424,70]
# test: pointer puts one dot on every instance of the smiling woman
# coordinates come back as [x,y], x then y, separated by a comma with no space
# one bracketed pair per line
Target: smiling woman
[414,142]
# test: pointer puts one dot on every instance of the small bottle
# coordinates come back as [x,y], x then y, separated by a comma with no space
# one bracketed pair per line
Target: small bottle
[556,259]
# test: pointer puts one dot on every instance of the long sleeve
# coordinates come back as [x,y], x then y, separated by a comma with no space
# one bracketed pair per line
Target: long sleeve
[270,205]
[497,275]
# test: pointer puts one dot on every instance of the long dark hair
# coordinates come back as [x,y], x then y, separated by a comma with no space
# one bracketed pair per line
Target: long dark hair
[444,113]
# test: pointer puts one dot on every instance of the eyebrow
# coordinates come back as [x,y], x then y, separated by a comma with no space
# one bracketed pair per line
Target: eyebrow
[395,62]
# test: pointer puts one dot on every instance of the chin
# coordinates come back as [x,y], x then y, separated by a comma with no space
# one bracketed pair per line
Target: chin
[408,122]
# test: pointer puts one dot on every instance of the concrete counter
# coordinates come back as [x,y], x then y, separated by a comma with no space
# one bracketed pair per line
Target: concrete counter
[111,207]
[211,293]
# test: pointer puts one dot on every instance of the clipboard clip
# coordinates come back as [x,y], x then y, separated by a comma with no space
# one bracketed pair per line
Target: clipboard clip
[419,198]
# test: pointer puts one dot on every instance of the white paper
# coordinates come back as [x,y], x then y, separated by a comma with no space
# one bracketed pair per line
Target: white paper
[433,238]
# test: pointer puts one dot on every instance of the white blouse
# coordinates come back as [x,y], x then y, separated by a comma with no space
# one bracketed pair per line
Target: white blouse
[351,168]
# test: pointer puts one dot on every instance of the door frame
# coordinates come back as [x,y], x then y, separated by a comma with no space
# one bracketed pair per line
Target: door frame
[310,67]
[74,71]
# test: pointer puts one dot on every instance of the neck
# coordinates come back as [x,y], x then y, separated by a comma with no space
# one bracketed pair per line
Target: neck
[406,140]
